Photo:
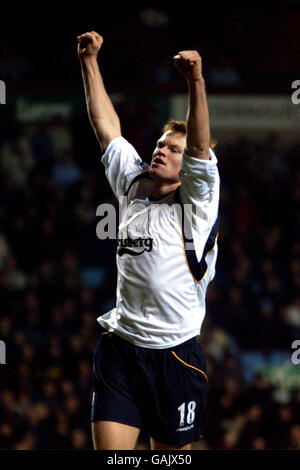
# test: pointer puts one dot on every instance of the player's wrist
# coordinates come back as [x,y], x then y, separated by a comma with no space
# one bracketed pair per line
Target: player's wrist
[197,79]
[196,83]
[90,58]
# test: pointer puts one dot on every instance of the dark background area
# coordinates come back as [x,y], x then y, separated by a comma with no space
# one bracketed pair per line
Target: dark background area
[259,40]
[56,277]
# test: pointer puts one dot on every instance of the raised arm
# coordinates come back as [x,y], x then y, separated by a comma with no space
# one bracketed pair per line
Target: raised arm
[198,133]
[101,112]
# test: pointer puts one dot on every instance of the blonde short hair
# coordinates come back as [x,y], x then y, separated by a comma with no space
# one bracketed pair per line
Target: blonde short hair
[180,126]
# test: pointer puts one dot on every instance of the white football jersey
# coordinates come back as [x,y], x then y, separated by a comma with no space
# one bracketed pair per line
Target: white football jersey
[167,249]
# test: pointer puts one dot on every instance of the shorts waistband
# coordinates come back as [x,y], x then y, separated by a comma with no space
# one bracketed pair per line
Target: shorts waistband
[178,347]
[184,345]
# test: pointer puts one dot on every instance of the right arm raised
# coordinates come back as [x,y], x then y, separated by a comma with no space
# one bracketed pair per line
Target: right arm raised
[101,112]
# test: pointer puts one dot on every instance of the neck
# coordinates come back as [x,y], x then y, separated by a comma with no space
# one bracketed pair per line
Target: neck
[161,190]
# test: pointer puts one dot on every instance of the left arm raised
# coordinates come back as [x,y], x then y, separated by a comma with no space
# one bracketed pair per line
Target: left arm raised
[189,64]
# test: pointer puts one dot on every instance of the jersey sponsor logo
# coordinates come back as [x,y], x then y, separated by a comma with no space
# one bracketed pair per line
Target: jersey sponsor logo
[125,243]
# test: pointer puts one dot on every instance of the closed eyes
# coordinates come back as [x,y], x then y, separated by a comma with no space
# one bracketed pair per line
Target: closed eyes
[173,148]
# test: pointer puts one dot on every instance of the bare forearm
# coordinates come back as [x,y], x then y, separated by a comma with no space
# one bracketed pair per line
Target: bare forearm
[189,63]
[101,112]
[198,131]
[99,105]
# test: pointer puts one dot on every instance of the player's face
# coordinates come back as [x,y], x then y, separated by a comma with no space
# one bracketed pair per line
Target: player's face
[167,157]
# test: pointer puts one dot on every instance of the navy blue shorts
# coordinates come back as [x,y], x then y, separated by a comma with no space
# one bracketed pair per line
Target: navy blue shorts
[161,391]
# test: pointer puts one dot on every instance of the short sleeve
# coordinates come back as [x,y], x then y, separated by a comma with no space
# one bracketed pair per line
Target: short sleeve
[122,164]
[199,177]
[199,194]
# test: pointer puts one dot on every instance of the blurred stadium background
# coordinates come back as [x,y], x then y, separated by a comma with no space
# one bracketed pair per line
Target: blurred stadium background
[56,277]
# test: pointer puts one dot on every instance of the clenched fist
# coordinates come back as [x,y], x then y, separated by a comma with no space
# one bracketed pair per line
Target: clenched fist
[189,63]
[89,44]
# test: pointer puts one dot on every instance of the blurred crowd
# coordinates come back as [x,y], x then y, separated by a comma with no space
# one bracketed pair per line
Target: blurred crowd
[242,45]
[56,277]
